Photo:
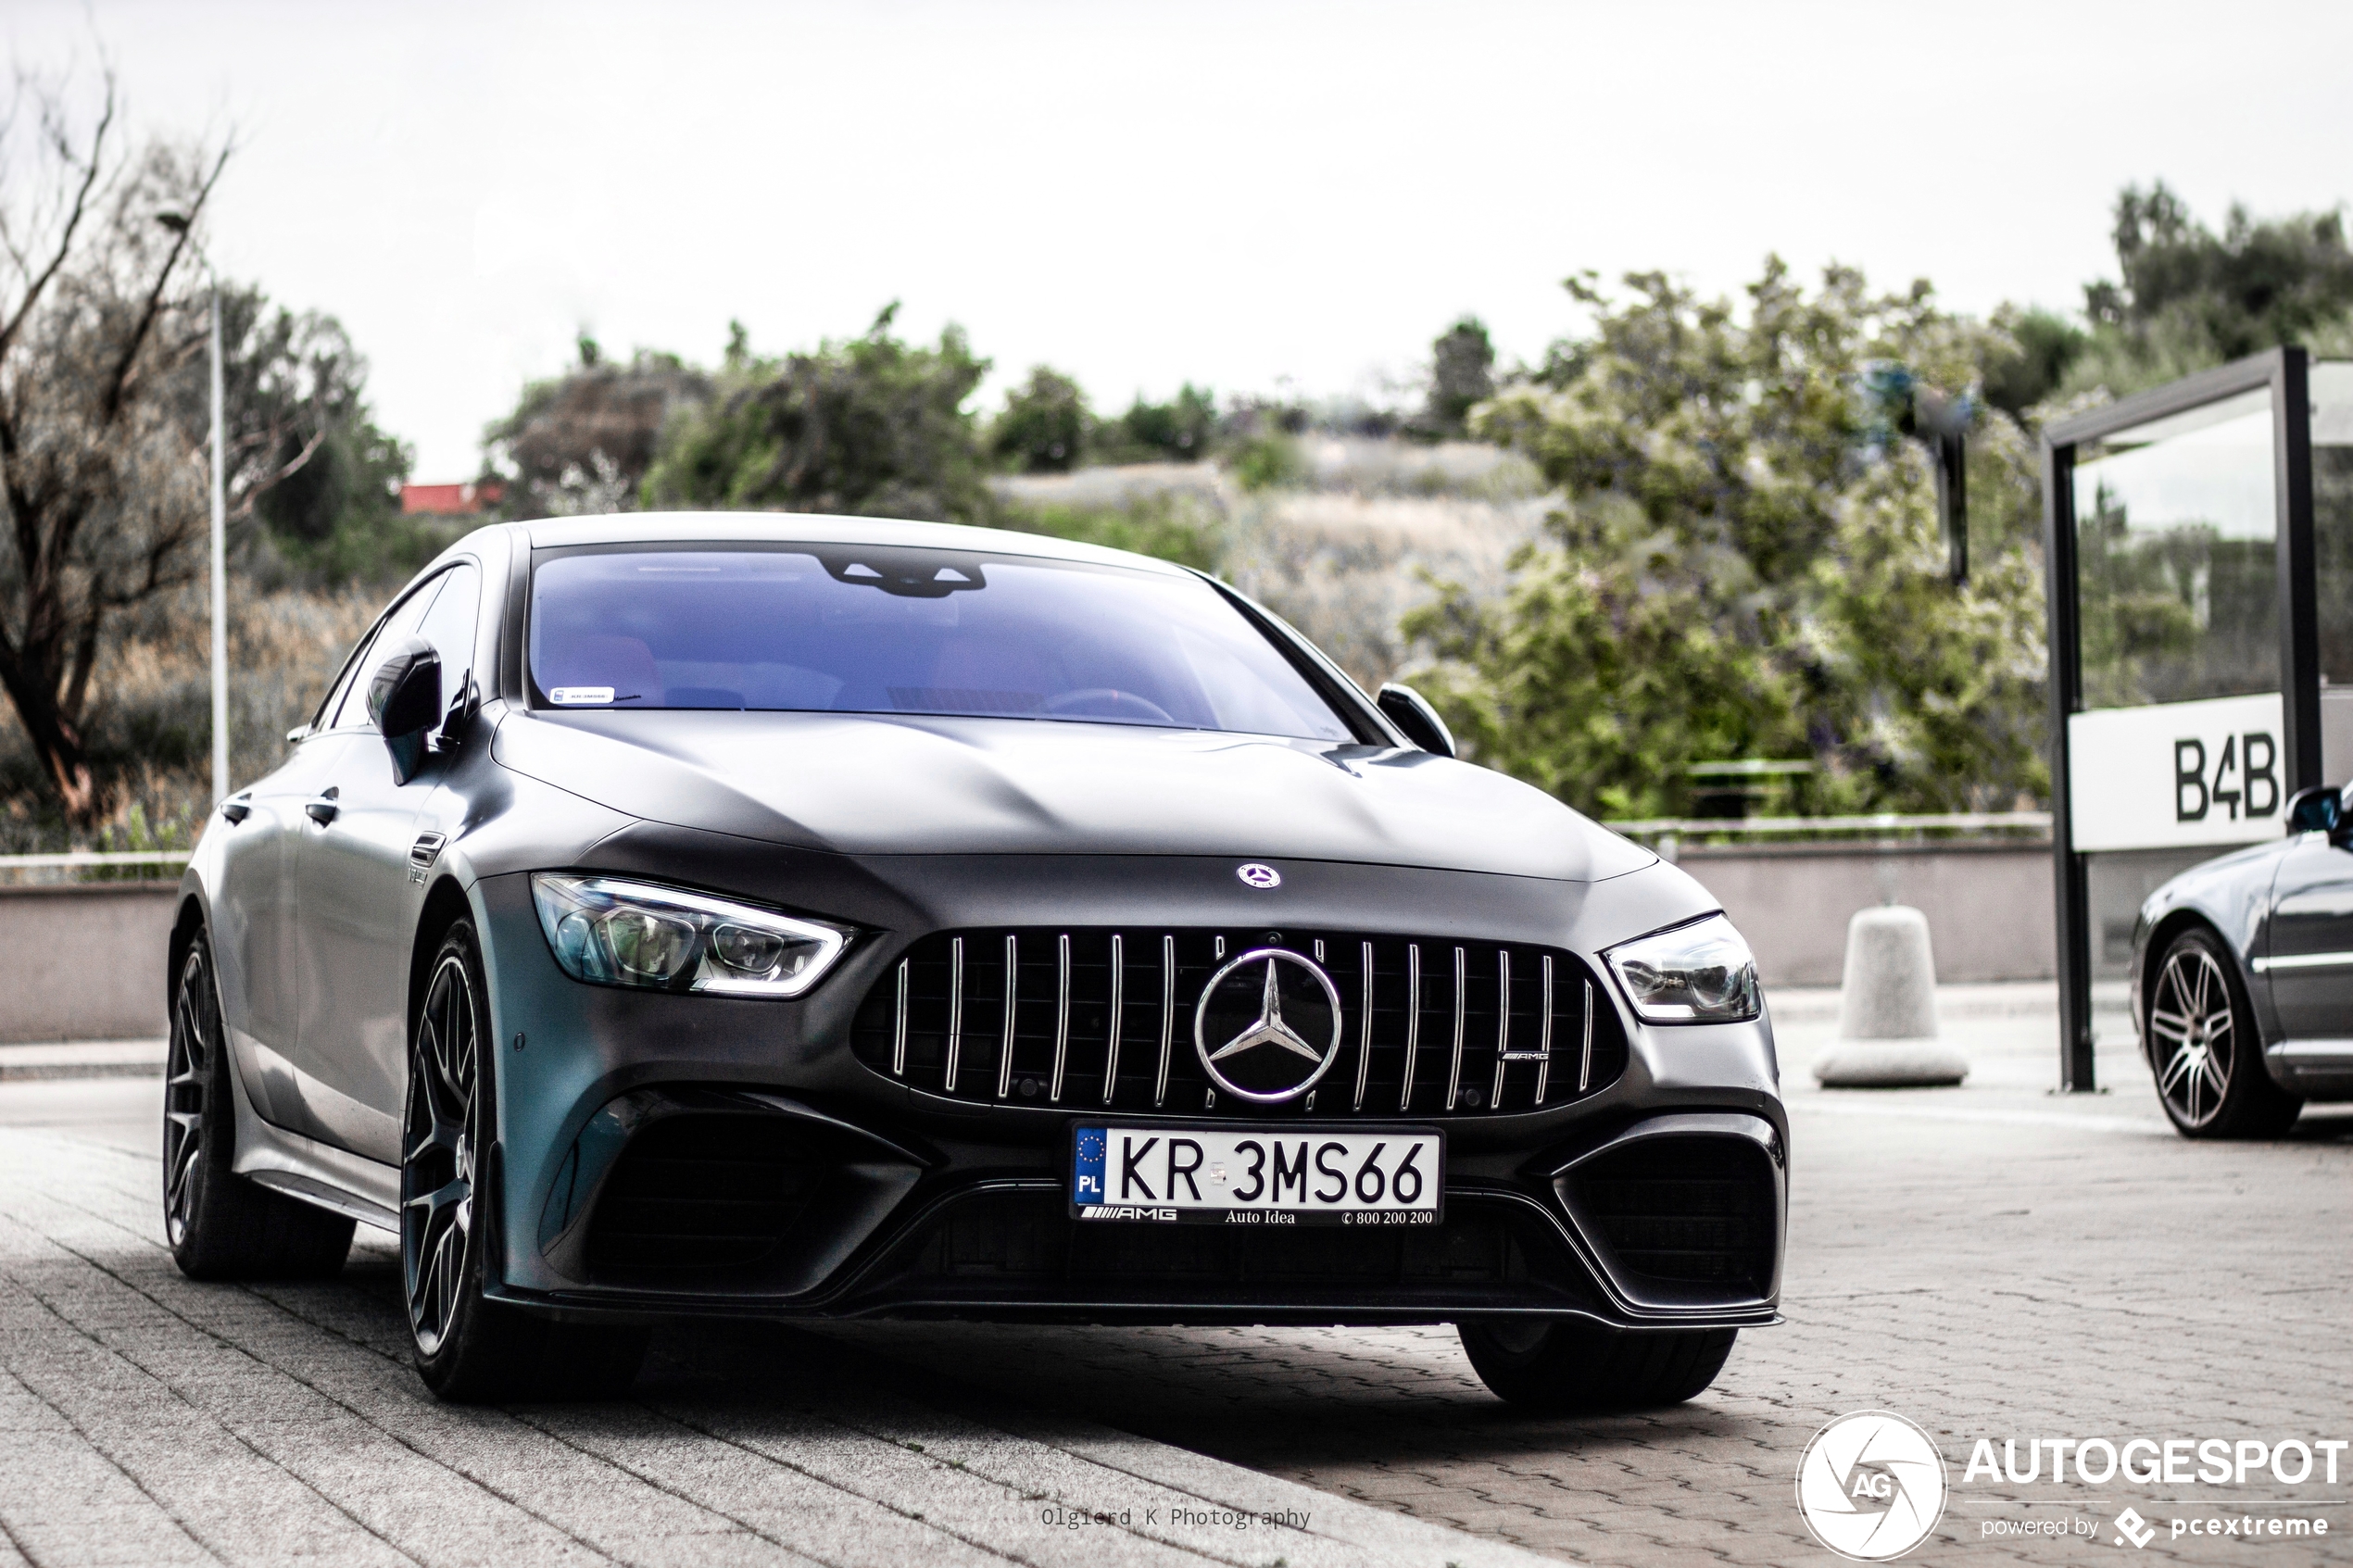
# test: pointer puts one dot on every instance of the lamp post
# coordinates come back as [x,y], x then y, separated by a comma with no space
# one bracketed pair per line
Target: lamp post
[219,572]
[177,224]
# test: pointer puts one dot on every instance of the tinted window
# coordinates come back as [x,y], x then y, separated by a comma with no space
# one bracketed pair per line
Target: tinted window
[351,708]
[845,629]
[449,627]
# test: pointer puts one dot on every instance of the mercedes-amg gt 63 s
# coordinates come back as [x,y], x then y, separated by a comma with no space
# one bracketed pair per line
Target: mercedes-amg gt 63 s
[2243,979]
[802,917]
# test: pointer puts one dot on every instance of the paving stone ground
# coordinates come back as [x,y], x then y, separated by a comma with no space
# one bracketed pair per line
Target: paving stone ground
[1991,1261]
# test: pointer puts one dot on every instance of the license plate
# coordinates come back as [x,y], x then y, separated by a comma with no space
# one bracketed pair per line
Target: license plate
[1256,1176]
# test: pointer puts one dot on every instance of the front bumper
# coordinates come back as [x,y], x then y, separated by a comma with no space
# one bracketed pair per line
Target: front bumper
[665,1155]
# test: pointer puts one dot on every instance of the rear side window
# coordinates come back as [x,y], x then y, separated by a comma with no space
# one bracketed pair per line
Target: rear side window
[856,630]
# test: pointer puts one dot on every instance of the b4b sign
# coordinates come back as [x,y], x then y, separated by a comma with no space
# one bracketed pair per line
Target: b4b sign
[2176,775]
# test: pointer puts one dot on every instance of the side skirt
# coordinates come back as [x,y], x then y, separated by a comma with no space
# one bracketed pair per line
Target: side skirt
[312,1172]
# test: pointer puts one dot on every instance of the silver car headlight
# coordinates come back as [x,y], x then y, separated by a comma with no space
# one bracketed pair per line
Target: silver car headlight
[1697,973]
[610,931]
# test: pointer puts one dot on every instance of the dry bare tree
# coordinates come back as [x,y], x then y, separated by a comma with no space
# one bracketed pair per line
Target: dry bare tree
[104,496]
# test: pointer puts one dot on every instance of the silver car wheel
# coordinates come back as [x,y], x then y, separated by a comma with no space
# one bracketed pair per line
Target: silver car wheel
[187,1070]
[437,1158]
[2193,1020]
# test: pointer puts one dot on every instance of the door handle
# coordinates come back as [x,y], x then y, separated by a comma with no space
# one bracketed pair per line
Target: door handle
[324,810]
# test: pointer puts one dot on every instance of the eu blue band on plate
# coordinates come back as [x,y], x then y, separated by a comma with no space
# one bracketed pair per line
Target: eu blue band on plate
[1087,1182]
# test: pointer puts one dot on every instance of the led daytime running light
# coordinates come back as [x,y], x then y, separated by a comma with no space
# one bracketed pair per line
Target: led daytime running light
[610,931]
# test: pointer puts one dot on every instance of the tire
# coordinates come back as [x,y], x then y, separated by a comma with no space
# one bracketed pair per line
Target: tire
[469,1349]
[2206,1052]
[1575,1365]
[219,1224]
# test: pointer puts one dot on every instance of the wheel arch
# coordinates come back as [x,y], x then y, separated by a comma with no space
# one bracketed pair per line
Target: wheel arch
[445,904]
[2162,935]
[186,922]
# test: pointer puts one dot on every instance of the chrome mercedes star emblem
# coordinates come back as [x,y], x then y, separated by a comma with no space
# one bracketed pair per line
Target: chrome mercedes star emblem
[1242,1066]
[1257,876]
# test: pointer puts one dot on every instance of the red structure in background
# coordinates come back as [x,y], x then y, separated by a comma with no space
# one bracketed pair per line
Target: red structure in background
[451,500]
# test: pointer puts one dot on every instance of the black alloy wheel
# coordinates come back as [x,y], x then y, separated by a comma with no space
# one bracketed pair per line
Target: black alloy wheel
[187,1076]
[438,1149]
[469,1349]
[219,1224]
[1573,1365]
[2206,1051]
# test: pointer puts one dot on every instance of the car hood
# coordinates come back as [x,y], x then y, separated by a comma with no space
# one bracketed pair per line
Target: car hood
[881,784]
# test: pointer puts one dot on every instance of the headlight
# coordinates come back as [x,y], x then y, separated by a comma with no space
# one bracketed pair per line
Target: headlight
[612,932]
[1696,973]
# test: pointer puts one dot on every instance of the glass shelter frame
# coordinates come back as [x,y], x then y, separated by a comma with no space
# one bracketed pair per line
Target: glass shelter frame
[2285,375]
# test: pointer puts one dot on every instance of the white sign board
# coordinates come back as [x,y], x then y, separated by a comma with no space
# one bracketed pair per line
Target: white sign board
[2176,775]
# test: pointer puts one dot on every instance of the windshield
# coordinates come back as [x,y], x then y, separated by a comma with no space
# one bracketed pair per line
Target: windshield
[849,629]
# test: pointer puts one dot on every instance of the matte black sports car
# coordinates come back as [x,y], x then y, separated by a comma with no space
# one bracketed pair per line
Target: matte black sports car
[2243,979]
[816,917]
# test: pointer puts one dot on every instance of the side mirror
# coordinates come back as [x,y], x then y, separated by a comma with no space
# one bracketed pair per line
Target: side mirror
[404,701]
[2316,810]
[1411,712]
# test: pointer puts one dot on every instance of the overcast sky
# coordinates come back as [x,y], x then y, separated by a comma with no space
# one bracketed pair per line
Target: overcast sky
[1142,194]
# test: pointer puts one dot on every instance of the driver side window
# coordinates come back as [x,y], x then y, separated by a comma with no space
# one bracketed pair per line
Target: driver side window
[351,705]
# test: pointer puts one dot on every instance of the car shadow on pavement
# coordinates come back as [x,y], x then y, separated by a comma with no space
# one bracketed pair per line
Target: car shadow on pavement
[1308,1404]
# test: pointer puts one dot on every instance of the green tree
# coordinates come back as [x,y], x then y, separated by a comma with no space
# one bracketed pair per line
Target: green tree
[1462,376]
[1748,563]
[1044,426]
[308,461]
[874,425]
[585,440]
[2186,298]
[1182,430]
[2047,346]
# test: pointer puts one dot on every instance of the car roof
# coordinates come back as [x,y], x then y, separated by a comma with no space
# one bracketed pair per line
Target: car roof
[817,528]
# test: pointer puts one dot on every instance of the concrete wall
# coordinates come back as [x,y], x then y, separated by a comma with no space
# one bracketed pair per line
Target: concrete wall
[1989,907]
[87,961]
[84,962]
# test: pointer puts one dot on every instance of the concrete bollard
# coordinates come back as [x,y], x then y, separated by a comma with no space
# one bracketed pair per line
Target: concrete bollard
[1887,1008]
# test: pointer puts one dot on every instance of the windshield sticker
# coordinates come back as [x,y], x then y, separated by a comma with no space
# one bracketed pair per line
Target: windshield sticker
[575,696]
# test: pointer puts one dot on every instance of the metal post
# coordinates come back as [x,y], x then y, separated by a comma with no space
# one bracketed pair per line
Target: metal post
[2299,574]
[219,573]
[2069,889]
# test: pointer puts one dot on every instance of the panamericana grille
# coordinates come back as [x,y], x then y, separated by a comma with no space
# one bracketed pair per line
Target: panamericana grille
[1692,1209]
[1102,1019]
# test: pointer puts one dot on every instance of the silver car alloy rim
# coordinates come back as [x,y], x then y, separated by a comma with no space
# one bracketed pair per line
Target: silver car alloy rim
[437,1162]
[183,1090]
[2190,1018]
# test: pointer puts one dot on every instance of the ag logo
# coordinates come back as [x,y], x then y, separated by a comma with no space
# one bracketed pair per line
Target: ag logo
[1871,1485]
